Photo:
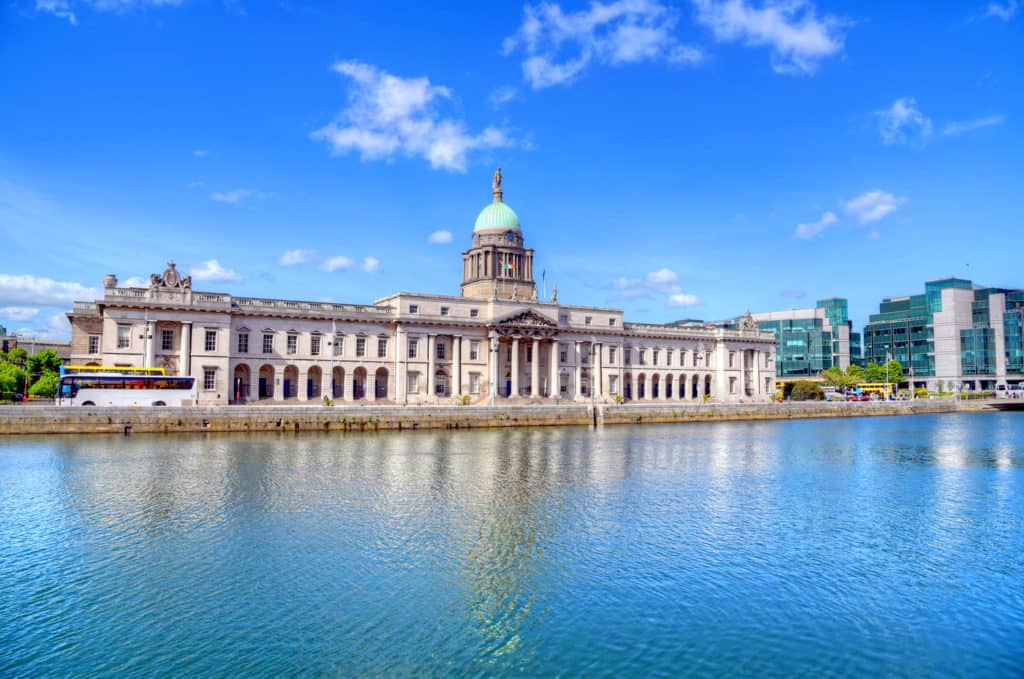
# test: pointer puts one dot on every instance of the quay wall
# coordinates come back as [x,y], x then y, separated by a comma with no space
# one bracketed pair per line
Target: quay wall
[34,419]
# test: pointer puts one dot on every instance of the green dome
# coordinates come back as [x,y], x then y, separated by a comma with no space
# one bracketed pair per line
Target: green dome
[497,215]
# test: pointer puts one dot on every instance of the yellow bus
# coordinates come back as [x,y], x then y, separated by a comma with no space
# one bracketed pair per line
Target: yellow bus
[885,390]
[109,369]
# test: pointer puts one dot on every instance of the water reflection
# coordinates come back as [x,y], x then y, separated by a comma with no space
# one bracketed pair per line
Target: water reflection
[881,543]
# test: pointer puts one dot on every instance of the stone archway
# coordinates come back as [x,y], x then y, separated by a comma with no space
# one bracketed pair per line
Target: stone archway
[290,387]
[707,385]
[655,386]
[380,384]
[441,386]
[668,386]
[359,384]
[338,383]
[241,383]
[313,381]
[266,382]
[641,386]
[627,387]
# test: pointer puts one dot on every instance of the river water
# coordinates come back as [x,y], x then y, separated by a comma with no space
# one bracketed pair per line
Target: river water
[849,547]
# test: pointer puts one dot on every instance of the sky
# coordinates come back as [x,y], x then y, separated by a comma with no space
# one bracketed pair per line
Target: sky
[690,159]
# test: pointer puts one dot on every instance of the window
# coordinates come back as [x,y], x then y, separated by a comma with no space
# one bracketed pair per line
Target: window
[414,346]
[668,357]
[654,355]
[643,357]
[314,345]
[414,308]
[529,354]
[166,340]
[474,383]
[682,358]
[563,317]
[243,342]
[732,358]
[474,350]
[439,350]
[509,354]
[628,355]
[360,347]
[268,343]
[588,320]
[613,384]
[382,348]
[124,336]
[474,313]
[211,340]
[293,344]
[209,379]
[414,383]
[444,311]
[94,344]
[563,354]
[611,356]
[611,321]
[339,345]
[732,385]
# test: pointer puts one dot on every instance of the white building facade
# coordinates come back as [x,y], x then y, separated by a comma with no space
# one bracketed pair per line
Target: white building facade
[496,342]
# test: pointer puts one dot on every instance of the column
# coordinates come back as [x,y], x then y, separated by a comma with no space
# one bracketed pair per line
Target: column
[431,364]
[150,356]
[325,382]
[493,365]
[515,366]
[578,357]
[302,388]
[457,365]
[720,386]
[553,387]
[535,368]
[185,362]
[278,393]
[597,367]
[743,373]
[401,380]
[757,375]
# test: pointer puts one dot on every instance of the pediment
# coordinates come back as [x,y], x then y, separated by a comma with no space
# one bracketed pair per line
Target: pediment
[526,319]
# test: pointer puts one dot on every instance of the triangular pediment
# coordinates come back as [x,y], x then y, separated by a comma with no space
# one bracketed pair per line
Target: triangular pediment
[525,319]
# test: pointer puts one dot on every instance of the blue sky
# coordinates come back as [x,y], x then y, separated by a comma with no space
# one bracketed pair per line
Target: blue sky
[688,159]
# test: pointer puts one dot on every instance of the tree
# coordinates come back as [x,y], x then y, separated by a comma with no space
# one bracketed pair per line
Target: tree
[834,377]
[855,373]
[12,378]
[895,371]
[874,373]
[805,390]
[17,355]
[45,386]
[45,361]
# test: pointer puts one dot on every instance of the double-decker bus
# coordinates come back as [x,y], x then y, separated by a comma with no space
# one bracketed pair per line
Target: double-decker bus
[885,390]
[111,389]
[112,369]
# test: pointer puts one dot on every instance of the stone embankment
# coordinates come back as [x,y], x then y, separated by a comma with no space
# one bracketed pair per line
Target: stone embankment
[52,420]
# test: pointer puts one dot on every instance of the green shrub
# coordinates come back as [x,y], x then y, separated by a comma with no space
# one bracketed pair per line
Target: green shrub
[806,391]
[45,386]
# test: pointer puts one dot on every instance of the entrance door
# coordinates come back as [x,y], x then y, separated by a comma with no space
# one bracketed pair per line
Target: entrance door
[263,387]
[508,388]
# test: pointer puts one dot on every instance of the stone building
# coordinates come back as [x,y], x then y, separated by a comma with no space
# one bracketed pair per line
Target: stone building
[496,342]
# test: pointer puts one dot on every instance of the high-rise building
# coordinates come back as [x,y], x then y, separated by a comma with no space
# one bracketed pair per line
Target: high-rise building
[954,333]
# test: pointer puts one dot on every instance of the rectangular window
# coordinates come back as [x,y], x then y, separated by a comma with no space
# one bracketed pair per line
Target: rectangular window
[268,343]
[439,348]
[613,384]
[474,350]
[94,344]
[611,321]
[732,358]
[563,317]
[732,385]
[643,357]
[529,354]
[360,347]
[293,344]
[627,354]
[414,308]
[668,358]
[209,379]
[563,354]
[211,340]
[474,313]
[444,311]
[588,320]
[611,355]
[382,348]
[243,342]
[166,340]
[124,336]
[414,383]
[339,345]
[314,345]
[654,355]
[414,346]
[474,383]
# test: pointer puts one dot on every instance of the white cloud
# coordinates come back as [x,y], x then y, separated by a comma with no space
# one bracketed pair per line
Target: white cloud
[201,153]
[799,39]
[293,257]
[440,237]
[661,278]
[18,313]
[502,95]
[624,283]
[211,270]
[956,128]
[903,123]
[388,115]
[237,196]
[682,299]
[58,8]
[811,229]
[371,264]
[558,46]
[335,263]
[1005,11]
[872,206]
[27,291]
[134,282]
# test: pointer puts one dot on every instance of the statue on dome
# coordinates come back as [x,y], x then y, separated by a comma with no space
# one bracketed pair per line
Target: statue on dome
[554,295]
[496,183]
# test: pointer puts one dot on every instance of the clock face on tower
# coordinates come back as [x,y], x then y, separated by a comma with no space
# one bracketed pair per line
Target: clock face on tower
[510,236]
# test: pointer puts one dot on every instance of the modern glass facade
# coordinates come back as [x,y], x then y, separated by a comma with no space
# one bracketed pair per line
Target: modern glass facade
[902,331]
[803,347]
